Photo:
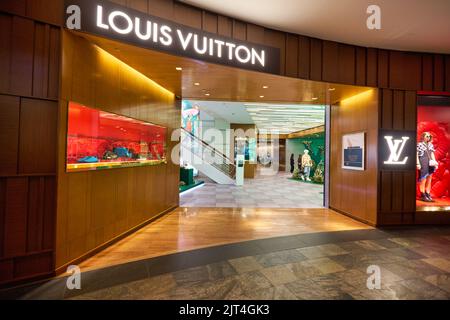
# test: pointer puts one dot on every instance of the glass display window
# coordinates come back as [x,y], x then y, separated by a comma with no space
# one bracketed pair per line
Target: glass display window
[102,140]
[433,153]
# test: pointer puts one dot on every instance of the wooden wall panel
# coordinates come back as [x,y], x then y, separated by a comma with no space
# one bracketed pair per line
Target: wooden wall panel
[161,8]
[225,26]
[447,73]
[427,72]
[438,81]
[372,67]
[9,134]
[361,69]
[304,56]
[383,69]
[37,143]
[95,207]
[347,64]
[29,84]
[292,56]
[397,189]
[330,65]
[277,39]
[239,30]
[355,192]
[210,22]
[46,11]
[316,59]
[255,34]
[187,15]
[405,70]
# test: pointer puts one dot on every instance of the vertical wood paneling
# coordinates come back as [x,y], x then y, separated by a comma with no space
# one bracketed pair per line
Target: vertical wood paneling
[372,67]
[255,34]
[22,56]
[427,72]
[447,73]
[386,110]
[161,8]
[410,122]
[9,134]
[304,56]
[316,59]
[37,124]
[346,69]
[17,7]
[210,22]
[140,5]
[225,26]
[277,39]
[239,30]
[45,10]
[405,70]
[292,55]
[398,110]
[383,69]
[5,51]
[361,70]
[187,15]
[330,64]
[15,232]
[438,80]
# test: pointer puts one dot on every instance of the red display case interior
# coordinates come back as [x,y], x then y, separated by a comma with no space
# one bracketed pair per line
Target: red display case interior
[436,120]
[98,139]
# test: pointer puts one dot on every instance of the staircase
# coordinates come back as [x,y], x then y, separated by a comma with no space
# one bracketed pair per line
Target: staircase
[206,159]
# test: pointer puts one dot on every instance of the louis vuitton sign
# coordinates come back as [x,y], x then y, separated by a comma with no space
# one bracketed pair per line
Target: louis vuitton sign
[397,150]
[126,25]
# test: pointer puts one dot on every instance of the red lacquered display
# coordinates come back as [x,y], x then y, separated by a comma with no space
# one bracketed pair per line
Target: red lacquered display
[102,140]
[436,121]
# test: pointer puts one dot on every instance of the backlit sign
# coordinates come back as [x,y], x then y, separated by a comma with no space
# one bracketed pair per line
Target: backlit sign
[397,150]
[126,25]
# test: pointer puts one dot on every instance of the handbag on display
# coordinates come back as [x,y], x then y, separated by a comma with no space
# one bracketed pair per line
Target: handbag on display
[433,163]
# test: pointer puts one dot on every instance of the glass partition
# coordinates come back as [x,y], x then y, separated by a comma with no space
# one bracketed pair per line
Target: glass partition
[101,140]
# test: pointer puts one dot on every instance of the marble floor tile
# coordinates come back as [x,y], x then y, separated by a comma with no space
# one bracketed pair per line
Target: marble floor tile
[326,265]
[440,263]
[441,281]
[245,264]
[279,275]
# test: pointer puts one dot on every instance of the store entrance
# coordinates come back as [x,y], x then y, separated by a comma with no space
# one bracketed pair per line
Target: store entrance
[282,148]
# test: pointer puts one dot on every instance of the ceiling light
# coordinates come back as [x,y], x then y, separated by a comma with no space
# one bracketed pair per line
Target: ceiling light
[207,94]
[315,98]
[196,84]
[179,68]
[331,89]
[261,97]
[265,87]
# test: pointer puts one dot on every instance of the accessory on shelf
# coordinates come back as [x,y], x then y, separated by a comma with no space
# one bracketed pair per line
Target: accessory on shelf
[109,155]
[122,152]
[88,159]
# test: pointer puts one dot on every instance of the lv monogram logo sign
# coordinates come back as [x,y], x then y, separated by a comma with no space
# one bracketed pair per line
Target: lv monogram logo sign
[397,150]
[396,147]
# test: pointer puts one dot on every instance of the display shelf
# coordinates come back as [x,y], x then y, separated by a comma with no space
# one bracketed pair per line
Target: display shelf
[98,140]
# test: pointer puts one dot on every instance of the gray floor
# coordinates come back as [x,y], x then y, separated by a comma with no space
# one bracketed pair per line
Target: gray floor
[267,191]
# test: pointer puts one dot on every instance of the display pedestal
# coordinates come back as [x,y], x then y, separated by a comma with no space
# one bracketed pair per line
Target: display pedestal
[187,176]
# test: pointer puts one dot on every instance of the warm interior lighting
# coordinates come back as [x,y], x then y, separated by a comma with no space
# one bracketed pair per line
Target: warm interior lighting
[360,96]
[207,94]
[331,89]
[196,84]
[315,98]
[109,58]
[265,87]
[261,97]
[179,68]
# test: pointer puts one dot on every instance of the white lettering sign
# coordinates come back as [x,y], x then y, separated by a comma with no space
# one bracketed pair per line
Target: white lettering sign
[146,30]
[396,148]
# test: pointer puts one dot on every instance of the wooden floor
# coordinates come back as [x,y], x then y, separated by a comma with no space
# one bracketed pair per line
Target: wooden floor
[192,228]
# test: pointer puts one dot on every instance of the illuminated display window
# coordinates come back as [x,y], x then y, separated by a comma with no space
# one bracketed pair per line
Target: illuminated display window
[102,140]
[433,153]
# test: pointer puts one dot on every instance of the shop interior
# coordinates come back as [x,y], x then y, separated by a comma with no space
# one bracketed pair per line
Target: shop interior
[433,152]
[283,147]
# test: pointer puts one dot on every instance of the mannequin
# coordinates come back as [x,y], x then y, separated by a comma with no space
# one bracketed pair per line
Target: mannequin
[426,164]
[292,162]
[306,164]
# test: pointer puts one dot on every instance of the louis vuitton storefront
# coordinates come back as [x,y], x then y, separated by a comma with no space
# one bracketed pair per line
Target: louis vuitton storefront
[130,63]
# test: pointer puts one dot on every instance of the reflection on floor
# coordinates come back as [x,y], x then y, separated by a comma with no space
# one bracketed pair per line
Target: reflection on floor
[414,264]
[192,228]
[265,191]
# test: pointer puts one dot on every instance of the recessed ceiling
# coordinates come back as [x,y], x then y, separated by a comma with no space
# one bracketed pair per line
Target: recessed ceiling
[270,117]
[198,80]
[410,25]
